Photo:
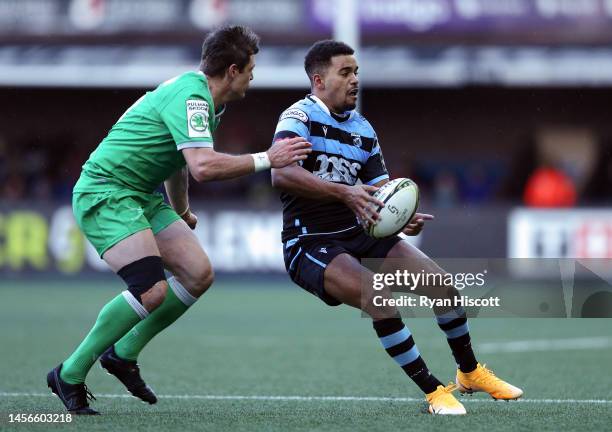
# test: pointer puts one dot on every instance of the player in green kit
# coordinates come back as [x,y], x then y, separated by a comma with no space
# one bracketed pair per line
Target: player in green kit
[165,135]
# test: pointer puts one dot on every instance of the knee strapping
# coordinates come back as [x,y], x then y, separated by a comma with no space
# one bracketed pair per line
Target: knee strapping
[141,275]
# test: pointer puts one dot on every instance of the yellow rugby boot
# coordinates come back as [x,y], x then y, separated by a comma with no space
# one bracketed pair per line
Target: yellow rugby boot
[482,379]
[441,401]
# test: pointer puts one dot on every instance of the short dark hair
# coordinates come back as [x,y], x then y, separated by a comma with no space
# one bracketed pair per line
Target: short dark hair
[226,46]
[318,58]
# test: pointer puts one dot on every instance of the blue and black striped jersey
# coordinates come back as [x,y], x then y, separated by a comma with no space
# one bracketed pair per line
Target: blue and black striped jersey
[344,149]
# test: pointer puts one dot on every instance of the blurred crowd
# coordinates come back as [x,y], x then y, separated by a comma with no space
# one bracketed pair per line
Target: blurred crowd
[40,169]
[561,167]
[558,167]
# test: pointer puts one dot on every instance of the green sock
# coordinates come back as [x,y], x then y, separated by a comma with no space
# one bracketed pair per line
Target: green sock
[115,319]
[176,303]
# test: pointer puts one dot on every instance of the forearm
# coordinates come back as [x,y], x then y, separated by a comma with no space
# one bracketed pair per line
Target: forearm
[211,165]
[225,166]
[176,188]
[297,181]
[205,164]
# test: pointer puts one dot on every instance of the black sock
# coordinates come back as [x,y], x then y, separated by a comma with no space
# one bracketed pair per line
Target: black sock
[454,324]
[399,344]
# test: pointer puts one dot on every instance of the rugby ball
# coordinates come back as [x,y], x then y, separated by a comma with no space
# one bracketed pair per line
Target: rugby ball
[401,199]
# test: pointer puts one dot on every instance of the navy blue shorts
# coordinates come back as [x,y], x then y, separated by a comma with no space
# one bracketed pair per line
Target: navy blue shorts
[307,256]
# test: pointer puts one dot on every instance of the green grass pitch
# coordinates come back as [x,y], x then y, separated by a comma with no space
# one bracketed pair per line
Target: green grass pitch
[276,342]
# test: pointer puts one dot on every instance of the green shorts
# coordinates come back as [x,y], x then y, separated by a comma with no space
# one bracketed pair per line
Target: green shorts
[106,218]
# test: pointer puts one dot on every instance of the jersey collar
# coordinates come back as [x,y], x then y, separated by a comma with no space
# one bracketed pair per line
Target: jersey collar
[220,110]
[322,105]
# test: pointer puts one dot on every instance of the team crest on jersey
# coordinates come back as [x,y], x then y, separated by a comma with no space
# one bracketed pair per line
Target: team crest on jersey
[294,113]
[197,118]
[356,139]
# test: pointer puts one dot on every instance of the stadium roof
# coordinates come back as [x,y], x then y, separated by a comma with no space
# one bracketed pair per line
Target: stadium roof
[281,67]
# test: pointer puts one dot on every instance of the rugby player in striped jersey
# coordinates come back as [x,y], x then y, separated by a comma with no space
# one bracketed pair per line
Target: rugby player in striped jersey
[323,241]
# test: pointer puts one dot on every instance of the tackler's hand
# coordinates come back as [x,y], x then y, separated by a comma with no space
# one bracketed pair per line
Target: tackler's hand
[288,151]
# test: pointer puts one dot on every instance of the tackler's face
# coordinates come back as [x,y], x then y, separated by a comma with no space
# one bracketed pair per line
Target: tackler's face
[341,83]
[241,80]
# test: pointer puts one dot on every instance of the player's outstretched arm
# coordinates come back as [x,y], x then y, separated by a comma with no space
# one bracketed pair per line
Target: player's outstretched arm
[205,164]
[297,181]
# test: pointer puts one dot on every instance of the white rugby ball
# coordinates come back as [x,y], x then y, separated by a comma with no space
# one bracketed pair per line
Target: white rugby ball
[401,199]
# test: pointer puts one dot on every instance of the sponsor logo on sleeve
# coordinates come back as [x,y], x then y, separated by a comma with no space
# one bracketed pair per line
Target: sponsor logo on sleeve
[294,113]
[197,118]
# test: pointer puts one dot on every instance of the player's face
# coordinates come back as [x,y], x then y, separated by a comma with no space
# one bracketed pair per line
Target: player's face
[341,83]
[241,80]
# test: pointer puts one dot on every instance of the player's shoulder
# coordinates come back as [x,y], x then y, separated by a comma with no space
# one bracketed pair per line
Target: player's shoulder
[191,82]
[189,88]
[360,120]
[300,110]
[187,78]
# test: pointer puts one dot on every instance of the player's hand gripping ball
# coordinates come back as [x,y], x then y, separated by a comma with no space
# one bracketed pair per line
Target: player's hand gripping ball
[401,199]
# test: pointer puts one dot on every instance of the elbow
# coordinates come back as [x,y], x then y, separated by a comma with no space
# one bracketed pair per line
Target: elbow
[198,176]
[202,163]
[202,175]
[203,171]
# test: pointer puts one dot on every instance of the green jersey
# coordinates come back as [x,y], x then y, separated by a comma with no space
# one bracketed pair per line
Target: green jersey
[144,147]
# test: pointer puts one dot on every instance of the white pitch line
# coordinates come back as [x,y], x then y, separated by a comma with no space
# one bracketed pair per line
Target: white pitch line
[319,398]
[546,345]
